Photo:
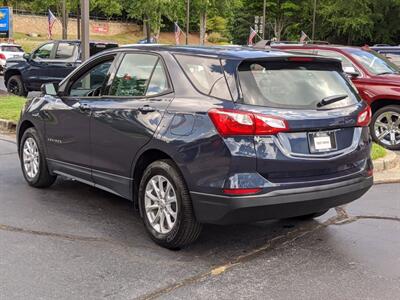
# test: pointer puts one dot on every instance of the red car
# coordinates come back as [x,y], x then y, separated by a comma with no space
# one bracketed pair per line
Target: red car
[377,81]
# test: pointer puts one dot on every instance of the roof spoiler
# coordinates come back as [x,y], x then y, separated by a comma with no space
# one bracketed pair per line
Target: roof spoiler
[262,44]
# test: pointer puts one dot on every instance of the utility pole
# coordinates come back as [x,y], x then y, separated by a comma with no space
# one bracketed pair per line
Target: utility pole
[187,20]
[313,23]
[78,22]
[264,18]
[64,20]
[85,29]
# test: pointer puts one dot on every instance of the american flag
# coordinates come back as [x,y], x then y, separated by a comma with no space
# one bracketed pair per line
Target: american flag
[178,31]
[51,19]
[303,37]
[252,35]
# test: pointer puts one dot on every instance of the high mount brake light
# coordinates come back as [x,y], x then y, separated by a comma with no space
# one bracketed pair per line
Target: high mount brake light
[364,117]
[300,59]
[231,122]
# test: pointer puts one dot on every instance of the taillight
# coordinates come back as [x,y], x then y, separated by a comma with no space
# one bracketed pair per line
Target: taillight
[230,122]
[364,117]
[2,56]
[242,191]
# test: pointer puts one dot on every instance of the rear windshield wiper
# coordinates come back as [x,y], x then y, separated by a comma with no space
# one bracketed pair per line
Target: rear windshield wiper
[331,99]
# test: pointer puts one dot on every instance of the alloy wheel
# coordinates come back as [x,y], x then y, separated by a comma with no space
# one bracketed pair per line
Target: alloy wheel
[13,87]
[387,128]
[30,156]
[161,204]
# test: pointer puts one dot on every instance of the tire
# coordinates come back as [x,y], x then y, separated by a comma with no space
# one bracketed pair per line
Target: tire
[42,177]
[388,116]
[185,228]
[311,216]
[16,86]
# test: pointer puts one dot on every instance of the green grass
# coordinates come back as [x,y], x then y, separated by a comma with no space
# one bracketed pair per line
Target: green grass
[10,107]
[29,43]
[377,151]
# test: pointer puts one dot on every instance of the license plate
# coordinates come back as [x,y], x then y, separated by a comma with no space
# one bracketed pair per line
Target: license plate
[323,141]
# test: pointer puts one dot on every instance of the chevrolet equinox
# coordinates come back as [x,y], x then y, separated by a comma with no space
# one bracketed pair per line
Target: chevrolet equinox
[196,135]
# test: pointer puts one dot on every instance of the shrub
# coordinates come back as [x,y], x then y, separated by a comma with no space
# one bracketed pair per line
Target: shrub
[216,37]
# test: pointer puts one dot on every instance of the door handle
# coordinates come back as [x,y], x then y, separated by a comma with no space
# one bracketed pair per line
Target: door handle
[68,65]
[84,106]
[146,109]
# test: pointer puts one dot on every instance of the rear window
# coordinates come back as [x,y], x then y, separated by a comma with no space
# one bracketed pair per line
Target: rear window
[98,47]
[294,85]
[11,49]
[206,74]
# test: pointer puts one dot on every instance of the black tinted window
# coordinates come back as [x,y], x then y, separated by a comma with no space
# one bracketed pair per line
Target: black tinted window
[98,47]
[90,83]
[296,85]
[65,50]
[206,74]
[133,75]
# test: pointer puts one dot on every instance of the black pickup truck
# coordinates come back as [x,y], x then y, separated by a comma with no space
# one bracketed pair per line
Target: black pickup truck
[51,62]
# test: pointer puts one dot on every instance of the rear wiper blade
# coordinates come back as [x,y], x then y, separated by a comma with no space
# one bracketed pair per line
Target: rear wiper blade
[331,99]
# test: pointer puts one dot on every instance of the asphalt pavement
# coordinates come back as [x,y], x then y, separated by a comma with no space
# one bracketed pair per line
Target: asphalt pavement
[72,241]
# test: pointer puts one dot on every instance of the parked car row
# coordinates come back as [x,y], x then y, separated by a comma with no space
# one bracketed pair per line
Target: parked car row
[196,135]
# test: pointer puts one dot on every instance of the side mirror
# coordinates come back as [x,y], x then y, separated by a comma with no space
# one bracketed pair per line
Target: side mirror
[351,71]
[49,89]
[27,56]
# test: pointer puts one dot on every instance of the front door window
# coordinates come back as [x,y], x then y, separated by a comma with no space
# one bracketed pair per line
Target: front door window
[90,83]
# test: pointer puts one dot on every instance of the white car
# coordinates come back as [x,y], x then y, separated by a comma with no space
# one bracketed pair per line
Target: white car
[9,51]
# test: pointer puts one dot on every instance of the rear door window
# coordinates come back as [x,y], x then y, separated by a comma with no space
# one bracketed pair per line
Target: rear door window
[140,75]
[293,85]
[206,74]
[65,51]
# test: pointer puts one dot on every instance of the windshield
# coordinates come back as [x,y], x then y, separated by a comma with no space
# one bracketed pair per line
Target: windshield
[299,86]
[374,62]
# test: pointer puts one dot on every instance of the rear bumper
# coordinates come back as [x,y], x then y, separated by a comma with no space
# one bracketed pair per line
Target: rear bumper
[217,209]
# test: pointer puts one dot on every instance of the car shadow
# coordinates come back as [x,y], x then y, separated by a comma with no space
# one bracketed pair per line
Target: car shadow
[116,220]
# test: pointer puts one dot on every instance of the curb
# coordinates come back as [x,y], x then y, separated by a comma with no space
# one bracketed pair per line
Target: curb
[390,161]
[7,125]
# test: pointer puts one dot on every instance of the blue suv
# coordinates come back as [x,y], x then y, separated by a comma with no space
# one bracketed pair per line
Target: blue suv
[197,135]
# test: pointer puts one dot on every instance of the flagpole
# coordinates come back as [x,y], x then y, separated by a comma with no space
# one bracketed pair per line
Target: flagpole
[264,16]
[187,21]
[256,33]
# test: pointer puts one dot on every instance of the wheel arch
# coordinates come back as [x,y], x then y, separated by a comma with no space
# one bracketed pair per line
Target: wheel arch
[378,104]
[9,73]
[143,160]
[21,129]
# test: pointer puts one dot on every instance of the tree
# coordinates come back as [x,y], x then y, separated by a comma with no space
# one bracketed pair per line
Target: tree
[348,18]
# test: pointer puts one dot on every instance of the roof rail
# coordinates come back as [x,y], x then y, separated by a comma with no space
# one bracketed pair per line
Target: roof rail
[318,42]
